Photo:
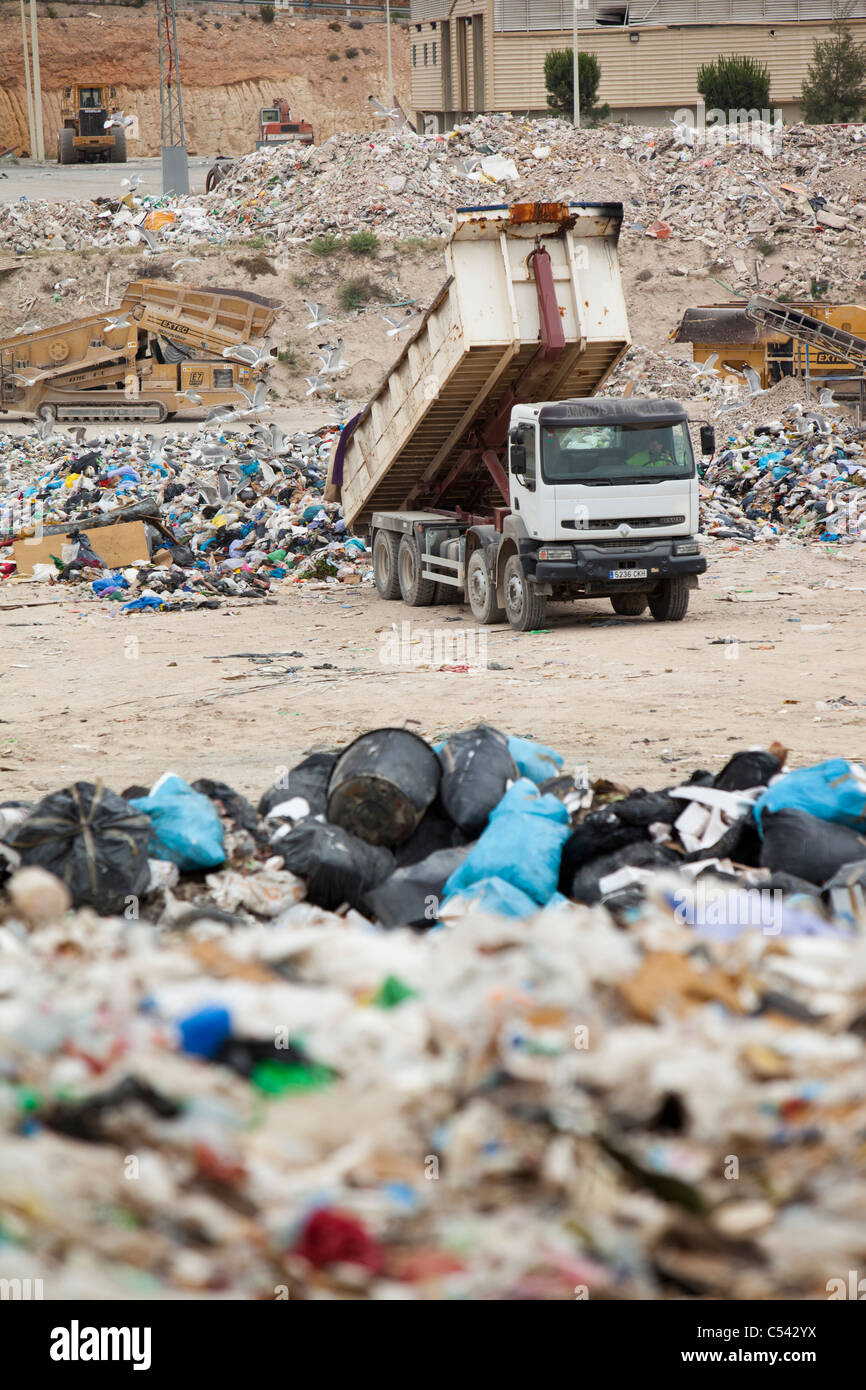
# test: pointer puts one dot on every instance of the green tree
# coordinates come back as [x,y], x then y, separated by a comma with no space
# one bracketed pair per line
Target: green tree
[559,81]
[835,89]
[735,84]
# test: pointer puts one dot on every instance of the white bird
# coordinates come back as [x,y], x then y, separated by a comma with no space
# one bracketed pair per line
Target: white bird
[118,120]
[317,384]
[185,260]
[332,359]
[273,440]
[397,325]
[131,183]
[319,315]
[257,401]
[707,368]
[754,381]
[121,321]
[254,357]
[385,113]
[191,395]
[825,398]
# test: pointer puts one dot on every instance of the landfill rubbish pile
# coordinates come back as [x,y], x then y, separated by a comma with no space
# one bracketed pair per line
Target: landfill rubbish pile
[801,475]
[797,187]
[224,514]
[436,1023]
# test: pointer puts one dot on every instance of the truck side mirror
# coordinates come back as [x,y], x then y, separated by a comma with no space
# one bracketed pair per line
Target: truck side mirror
[518,458]
[708,439]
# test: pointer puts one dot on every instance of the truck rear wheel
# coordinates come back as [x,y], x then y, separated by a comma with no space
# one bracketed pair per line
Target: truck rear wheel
[117,153]
[525,607]
[385,547]
[417,592]
[669,605]
[66,146]
[481,590]
[629,605]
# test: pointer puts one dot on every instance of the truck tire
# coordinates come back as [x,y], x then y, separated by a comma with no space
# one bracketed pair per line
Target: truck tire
[66,146]
[669,605]
[385,547]
[117,153]
[481,590]
[629,605]
[417,592]
[525,608]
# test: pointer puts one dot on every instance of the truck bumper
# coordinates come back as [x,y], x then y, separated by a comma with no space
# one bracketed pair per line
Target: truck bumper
[591,567]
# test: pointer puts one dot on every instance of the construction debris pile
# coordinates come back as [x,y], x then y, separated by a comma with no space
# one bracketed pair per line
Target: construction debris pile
[790,198]
[498,1033]
[224,514]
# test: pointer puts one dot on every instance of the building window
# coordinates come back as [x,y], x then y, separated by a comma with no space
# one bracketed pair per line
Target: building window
[425,55]
[414,56]
[434,55]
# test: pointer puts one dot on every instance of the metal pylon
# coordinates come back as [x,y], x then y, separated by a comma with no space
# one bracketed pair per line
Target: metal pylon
[175,168]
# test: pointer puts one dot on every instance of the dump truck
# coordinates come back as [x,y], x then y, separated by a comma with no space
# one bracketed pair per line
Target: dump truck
[158,355]
[741,341]
[83,137]
[486,468]
[276,127]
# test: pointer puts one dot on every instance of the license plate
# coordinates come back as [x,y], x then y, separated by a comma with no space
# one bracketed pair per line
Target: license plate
[628,574]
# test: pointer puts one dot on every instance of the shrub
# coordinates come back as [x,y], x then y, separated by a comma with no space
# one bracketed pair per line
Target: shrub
[762,245]
[301,282]
[559,81]
[835,89]
[363,243]
[256,266]
[735,83]
[335,26]
[325,244]
[267,14]
[355,24]
[351,52]
[354,294]
[333,57]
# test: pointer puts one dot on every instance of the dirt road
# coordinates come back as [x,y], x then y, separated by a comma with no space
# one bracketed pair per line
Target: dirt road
[239,692]
[56,182]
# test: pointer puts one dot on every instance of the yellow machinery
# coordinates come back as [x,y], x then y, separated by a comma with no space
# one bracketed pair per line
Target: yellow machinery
[140,361]
[84,110]
[779,343]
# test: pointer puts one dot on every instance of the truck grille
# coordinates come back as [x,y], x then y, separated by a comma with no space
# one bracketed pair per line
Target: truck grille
[636,523]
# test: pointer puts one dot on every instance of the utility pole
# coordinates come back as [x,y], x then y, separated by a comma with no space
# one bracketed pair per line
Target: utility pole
[37,84]
[175,165]
[390,68]
[31,124]
[576,113]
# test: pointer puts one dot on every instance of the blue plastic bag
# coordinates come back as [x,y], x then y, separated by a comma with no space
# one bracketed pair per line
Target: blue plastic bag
[497,896]
[522,844]
[834,790]
[186,827]
[203,1033]
[533,759]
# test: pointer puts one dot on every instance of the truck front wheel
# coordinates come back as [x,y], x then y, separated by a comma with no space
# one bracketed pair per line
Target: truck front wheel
[117,152]
[385,548]
[524,606]
[629,605]
[66,146]
[481,590]
[417,592]
[669,605]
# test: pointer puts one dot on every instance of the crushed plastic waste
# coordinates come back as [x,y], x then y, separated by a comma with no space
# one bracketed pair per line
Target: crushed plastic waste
[319,1068]
[226,515]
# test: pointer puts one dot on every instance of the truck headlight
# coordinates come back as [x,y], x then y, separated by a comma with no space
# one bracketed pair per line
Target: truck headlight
[687,548]
[555,552]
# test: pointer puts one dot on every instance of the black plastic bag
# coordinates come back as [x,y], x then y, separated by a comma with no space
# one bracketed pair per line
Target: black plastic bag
[435,831]
[242,815]
[751,768]
[643,854]
[339,868]
[309,780]
[410,896]
[814,849]
[93,840]
[740,842]
[601,832]
[476,765]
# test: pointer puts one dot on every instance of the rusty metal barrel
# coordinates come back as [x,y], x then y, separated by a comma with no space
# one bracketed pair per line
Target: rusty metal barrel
[382,784]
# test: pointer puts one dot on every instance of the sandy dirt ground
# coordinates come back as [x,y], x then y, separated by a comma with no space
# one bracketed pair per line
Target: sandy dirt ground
[241,692]
[55,182]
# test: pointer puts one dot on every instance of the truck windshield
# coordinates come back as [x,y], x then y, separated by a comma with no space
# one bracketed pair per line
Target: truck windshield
[596,454]
[91,96]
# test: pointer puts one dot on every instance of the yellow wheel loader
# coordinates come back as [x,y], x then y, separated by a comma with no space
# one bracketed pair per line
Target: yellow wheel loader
[84,136]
